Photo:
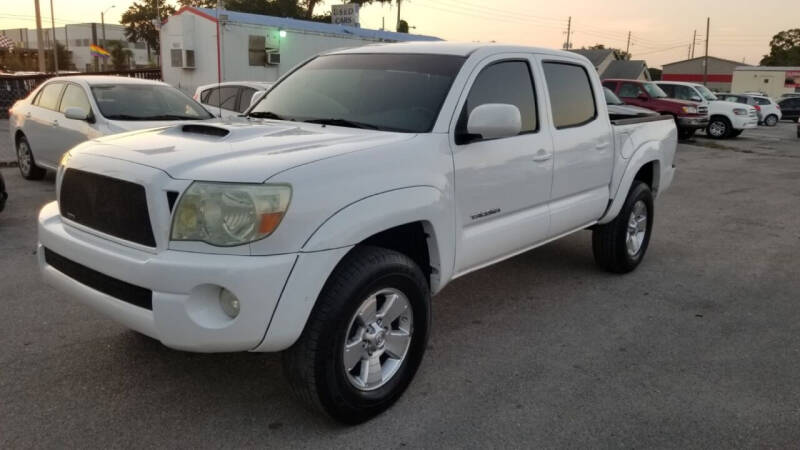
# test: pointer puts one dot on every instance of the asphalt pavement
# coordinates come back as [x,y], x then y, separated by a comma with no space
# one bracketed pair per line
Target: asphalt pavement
[698,348]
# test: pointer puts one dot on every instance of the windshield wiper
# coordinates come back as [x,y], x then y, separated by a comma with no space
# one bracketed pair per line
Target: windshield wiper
[265,115]
[343,123]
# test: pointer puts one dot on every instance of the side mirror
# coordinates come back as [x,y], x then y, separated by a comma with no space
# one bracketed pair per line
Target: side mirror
[495,120]
[642,97]
[257,97]
[697,99]
[75,113]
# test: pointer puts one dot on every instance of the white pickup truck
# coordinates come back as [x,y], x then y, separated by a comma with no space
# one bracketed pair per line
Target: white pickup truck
[365,181]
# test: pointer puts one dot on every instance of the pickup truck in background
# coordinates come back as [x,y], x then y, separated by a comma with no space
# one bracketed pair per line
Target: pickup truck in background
[322,222]
[726,119]
[689,116]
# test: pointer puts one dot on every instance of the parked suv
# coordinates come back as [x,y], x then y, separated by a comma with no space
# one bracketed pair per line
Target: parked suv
[790,108]
[727,119]
[689,116]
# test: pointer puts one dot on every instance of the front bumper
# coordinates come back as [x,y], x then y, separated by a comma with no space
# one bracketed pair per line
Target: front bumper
[185,287]
[693,122]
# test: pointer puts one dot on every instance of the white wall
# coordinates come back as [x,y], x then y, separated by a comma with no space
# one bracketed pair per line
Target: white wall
[295,47]
[771,82]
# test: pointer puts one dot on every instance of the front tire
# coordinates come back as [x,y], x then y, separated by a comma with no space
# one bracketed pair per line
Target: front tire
[719,128]
[771,120]
[619,246]
[365,337]
[25,161]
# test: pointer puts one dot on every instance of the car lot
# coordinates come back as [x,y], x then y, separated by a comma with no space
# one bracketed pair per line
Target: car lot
[699,347]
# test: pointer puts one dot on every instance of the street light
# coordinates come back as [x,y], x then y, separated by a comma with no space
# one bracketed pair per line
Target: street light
[103,26]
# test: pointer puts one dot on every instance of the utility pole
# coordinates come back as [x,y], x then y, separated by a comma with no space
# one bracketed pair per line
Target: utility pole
[55,41]
[39,37]
[705,63]
[689,52]
[398,15]
[694,39]
[628,47]
[569,32]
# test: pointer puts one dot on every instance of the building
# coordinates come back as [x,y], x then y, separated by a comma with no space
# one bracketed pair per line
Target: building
[77,38]
[609,64]
[720,72]
[250,46]
[772,81]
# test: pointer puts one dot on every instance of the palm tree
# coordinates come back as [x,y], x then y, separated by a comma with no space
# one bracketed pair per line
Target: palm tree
[120,56]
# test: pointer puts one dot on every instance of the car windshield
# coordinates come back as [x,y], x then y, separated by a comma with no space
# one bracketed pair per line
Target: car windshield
[392,92]
[611,98]
[654,91]
[708,95]
[146,102]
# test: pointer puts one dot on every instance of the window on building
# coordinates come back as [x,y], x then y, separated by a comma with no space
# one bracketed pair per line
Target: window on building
[256,50]
[85,43]
[176,57]
[507,82]
[571,95]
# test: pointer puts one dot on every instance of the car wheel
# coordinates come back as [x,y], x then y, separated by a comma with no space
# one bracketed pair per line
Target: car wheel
[620,245]
[771,120]
[719,128]
[365,337]
[26,162]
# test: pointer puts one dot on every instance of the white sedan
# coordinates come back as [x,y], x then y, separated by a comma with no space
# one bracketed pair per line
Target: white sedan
[65,111]
[231,98]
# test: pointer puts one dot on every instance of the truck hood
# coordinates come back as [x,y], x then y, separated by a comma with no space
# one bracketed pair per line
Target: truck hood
[723,107]
[235,149]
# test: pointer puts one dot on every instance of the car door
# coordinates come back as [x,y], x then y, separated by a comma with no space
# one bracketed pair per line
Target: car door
[502,185]
[582,142]
[41,127]
[790,108]
[71,131]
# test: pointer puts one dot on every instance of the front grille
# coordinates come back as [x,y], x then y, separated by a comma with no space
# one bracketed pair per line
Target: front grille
[702,110]
[135,295]
[110,205]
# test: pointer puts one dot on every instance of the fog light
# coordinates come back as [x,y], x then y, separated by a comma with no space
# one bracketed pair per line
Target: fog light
[229,303]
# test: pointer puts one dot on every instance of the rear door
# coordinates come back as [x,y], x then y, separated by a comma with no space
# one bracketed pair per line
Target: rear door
[502,185]
[584,150]
[41,128]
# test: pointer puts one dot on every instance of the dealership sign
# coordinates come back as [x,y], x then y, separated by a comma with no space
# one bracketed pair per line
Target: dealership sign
[793,78]
[346,15]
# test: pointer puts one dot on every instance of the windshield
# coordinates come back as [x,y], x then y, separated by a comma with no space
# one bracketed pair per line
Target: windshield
[146,102]
[392,92]
[654,91]
[611,98]
[708,95]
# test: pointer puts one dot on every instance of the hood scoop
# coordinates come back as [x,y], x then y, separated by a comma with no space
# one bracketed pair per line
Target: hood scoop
[205,130]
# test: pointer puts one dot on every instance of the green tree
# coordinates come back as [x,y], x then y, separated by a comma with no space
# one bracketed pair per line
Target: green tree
[199,3]
[623,55]
[120,55]
[784,49]
[402,27]
[138,20]
[64,58]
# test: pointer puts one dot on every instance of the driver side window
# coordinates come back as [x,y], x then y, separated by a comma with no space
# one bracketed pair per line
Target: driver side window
[508,82]
[685,93]
[630,90]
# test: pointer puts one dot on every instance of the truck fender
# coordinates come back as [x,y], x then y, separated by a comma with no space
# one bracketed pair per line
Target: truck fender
[380,212]
[337,235]
[648,152]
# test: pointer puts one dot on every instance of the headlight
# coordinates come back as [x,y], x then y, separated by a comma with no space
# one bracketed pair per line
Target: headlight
[690,110]
[740,111]
[228,214]
[64,159]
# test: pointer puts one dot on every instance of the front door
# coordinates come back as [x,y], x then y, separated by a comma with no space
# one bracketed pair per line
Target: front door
[73,132]
[502,186]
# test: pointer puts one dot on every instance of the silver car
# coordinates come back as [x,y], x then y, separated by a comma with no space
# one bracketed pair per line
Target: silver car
[65,111]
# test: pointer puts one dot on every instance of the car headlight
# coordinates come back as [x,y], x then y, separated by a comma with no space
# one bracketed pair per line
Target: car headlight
[229,214]
[740,111]
[690,109]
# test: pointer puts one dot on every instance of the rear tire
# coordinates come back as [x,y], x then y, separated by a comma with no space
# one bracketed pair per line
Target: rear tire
[771,120]
[719,127]
[26,162]
[330,367]
[619,246]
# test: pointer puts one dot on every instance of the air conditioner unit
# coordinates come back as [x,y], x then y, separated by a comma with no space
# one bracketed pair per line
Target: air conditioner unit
[188,60]
[273,58]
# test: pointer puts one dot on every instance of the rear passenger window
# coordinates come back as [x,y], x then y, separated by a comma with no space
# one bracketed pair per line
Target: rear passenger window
[506,82]
[48,98]
[244,99]
[571,95]
[668,89]
[762,101]
[227,97]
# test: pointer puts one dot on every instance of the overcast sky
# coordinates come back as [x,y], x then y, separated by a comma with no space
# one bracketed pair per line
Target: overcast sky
[661,30]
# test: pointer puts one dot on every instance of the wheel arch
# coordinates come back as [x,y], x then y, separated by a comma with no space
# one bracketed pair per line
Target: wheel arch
[645,166]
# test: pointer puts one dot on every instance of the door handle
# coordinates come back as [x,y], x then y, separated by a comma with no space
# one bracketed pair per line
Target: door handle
[542,155]
[601,145]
